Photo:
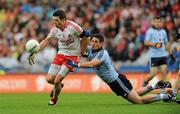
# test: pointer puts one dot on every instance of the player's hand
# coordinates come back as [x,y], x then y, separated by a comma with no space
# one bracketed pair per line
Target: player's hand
[31,58]
[72,63]
[158,45]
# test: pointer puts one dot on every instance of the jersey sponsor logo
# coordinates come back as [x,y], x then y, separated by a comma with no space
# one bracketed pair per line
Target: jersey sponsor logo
[67,40]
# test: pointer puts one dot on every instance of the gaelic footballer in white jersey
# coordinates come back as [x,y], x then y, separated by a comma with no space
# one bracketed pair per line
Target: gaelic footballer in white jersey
[68,39]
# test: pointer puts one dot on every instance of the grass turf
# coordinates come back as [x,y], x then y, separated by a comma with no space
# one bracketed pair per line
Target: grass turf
[80,103]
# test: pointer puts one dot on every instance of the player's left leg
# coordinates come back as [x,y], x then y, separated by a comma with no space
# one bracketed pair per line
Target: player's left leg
[159,85]
[52,92]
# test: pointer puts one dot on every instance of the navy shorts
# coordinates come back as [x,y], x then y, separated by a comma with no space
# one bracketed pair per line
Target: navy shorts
[158,61]
[121,86]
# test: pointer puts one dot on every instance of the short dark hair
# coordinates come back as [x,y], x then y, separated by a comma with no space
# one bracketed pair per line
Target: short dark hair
[60,13]
[157,18]
[98,36]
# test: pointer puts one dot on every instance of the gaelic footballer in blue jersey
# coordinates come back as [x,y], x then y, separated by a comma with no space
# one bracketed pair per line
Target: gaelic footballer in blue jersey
[119,84]
[157,41]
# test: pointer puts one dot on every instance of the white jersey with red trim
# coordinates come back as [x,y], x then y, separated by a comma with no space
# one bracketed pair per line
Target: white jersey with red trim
[68,39]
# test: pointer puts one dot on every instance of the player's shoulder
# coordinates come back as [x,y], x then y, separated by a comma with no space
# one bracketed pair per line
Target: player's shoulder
[74,25]
[151,29]
[54,29]
[163,30]
[71,23]
[104,52]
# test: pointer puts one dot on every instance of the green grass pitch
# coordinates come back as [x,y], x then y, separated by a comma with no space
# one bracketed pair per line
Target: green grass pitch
[80,103]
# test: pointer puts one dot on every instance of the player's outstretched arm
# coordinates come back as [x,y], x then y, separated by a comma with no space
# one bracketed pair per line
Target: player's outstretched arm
[42,45]
[91,63]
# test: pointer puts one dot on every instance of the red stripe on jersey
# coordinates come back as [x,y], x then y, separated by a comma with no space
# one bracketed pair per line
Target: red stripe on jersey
[75,26]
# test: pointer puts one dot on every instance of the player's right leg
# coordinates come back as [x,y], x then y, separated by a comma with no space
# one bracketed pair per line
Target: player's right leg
[153,72]
[58,84]
[122,87]
[53,71]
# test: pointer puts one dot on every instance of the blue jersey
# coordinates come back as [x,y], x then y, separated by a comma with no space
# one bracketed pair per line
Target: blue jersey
[105,70]
[157,36]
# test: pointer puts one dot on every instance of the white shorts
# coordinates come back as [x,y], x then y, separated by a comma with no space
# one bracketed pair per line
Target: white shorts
[56,69]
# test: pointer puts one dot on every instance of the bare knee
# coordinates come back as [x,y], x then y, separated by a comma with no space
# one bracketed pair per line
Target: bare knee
[50,80]
[56,82]
[134,97]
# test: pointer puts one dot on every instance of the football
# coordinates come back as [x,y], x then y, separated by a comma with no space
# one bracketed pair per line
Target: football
[32,46]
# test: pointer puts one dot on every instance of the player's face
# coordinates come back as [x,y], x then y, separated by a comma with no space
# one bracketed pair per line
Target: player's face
[59,23]
[157,23]
[95,43]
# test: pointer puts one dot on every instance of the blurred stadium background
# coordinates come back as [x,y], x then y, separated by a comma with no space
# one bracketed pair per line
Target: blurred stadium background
[124,23]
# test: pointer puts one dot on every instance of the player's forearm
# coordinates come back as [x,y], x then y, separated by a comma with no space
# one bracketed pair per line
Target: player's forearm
[91,63]
[148,43]
[86,64]
[43,44]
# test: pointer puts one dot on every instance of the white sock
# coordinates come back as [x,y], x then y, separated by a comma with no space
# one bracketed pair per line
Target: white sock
[154,86]
[162,96]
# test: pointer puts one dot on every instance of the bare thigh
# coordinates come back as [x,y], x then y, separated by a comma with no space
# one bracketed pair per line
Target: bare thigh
[61,74]
[53,71]
[134,97]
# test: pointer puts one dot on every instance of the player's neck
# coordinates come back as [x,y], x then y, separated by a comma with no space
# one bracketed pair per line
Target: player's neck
[63,27]
[157,28]
[97,50]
